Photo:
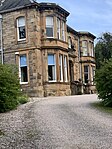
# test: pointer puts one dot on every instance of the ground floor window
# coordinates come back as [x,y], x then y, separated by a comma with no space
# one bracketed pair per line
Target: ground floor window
[51,67]
[23,69]
[65,69]
[93,74]
[61,67]
[86,73]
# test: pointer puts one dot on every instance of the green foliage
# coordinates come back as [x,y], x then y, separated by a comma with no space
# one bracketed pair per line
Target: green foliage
[103,80]
[103,49]
[23,99]
[9,87]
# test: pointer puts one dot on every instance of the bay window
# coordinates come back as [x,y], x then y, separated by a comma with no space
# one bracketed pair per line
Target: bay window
[49,26]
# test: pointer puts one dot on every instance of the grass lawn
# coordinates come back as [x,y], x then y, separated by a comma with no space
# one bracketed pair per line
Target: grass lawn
[100,107]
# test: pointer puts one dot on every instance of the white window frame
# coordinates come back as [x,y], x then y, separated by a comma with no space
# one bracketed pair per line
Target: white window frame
[63,30]
[54,69]
[61,67]
[18,26]
[21,82]
[58,28]
[48,25]
[84,48]
[65,69]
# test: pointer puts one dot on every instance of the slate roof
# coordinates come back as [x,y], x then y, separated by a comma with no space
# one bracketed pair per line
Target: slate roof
[6,5]
[11,5]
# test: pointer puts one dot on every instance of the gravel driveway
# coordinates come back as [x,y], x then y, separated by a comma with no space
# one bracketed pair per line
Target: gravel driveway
[56,123]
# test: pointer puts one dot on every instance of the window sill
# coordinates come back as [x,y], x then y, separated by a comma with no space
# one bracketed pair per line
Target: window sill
[48,83]
[21,41]
[23,83]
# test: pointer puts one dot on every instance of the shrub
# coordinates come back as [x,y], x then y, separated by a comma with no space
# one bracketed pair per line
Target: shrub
[9,87]
[103,79]
[23,99]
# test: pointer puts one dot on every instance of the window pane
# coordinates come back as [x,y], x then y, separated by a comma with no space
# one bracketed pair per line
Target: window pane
[23,61]
[63,31]
[22,33]
[69,42]
[51,59]
[85,68]
[86,78]
[58,28]
[61,67]
[24,75]
[51,67]
[49,21]
[84,44]
[21,21]
[85,52]
[49,31]
[65,68]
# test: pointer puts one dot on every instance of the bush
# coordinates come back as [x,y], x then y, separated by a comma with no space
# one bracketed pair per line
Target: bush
[23,99]
[9,87]
[103,79]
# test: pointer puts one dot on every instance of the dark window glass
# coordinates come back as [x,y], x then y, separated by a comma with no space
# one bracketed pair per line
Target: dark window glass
[24,75]
[22,33]
[49,32]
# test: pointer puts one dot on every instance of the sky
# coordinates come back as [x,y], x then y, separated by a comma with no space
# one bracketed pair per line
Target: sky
[94,16]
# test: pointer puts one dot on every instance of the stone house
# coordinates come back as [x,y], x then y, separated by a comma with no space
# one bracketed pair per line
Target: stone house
[52,58]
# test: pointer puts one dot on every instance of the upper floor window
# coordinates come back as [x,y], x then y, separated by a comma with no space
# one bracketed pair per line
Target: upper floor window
[23,69]
[69,42]
[58,28]
[91,49]
[51,67]
[49,27]
[63,31]
[84,48]
[21,28]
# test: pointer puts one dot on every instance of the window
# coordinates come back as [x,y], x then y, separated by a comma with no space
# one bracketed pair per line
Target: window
[21,28]
[58,28]
[65,69]
[63,31]
[69,42]
[86,75]
[49,27]
[51,67]
[91,49]
[84,48]
[23,69]
[61,67]
[93,74]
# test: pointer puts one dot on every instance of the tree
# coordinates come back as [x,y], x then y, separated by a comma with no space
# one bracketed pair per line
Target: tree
[103,80]
[9,87]
[103,49]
